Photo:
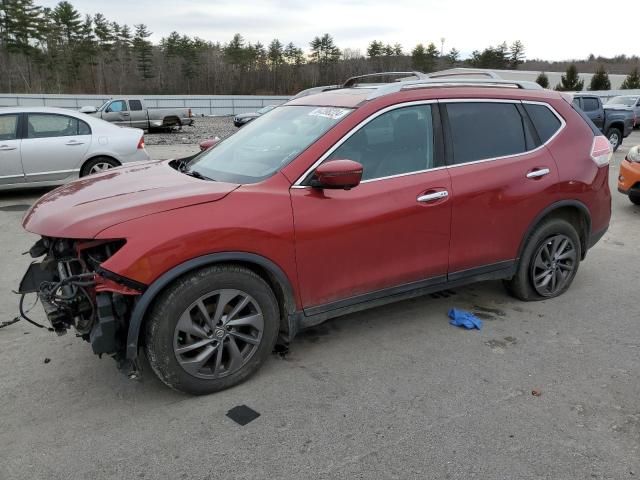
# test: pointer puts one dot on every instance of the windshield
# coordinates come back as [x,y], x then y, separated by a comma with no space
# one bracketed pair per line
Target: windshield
[103,106]
[627,101]
[267,144]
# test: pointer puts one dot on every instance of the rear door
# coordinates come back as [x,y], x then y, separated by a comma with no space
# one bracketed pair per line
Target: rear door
[10,164]
[54,146]
[117,112]
[138,115]
[501,178]
[392,230]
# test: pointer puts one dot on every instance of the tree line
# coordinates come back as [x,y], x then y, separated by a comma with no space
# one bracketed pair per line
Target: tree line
[58,50]
[571,82]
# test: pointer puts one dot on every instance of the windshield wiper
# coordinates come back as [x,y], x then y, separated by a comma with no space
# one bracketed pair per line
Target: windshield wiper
[197,174]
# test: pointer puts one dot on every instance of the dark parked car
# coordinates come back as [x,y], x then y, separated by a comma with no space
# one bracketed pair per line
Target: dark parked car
[626,101]
[330,204]
[244,118]
[616,122]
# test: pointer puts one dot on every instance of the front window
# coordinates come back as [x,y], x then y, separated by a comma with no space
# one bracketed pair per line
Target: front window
[267,144]
[626,101]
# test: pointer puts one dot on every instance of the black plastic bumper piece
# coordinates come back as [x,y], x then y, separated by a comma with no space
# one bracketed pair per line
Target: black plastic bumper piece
[103,333]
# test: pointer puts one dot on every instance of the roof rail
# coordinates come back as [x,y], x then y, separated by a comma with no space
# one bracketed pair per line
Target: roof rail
[352,81]
[458,74]
[451,82]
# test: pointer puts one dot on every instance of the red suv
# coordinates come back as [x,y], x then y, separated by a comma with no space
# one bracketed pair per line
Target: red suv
[329,204]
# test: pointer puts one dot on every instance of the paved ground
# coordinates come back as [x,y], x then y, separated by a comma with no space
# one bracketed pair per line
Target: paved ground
[394,392]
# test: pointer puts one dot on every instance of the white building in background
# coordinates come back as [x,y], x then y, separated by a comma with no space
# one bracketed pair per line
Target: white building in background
[554,78]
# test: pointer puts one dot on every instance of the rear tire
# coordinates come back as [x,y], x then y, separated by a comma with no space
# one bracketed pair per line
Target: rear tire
[635,198]
[211,329]
[549,262]
[615,138]
[98,164]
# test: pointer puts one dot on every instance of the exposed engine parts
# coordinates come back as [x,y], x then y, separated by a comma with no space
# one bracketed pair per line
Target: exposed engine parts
[74,292]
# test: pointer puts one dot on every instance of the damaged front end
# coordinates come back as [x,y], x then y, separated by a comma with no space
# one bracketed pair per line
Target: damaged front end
[77,293]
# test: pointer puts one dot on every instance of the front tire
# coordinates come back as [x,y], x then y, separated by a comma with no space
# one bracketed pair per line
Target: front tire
[635,198]
[212,329]
[549,262]
[615,138]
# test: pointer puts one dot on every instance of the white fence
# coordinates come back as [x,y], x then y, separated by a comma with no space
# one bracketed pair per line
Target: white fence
[200,104]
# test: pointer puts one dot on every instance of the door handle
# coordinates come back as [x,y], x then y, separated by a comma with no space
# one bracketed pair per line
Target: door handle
[72,143]
[541,172]
[430,197]
[125,114]
[5,148]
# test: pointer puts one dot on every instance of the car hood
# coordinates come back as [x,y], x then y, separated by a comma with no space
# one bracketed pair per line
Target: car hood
[84,208]
[244,116]
[618,107]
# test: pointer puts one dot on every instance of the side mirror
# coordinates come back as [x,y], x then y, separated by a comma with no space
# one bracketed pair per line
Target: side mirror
[207,144]
[337,174]
[88,109]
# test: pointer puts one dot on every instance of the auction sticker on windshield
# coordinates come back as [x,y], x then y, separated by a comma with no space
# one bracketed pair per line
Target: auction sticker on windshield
[329,112]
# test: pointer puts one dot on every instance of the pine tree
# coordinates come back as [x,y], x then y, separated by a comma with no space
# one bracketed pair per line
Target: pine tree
[543,80]
[418,57]
[20,22]
[69,20]
[143,51]
[374,49]
[323,50]
[453,56]
[570,82]
[600,80]
[632,82]
[516,56]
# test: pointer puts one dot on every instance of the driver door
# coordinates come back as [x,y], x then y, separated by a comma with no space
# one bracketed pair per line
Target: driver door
[117,112]
[389,234]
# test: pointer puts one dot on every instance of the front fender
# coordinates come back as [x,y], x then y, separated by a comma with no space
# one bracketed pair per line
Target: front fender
[143,303]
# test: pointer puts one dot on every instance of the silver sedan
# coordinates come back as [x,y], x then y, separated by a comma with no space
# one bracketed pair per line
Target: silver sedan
[45,146]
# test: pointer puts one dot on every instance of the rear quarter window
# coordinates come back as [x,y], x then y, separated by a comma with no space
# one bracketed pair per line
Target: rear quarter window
[544,120]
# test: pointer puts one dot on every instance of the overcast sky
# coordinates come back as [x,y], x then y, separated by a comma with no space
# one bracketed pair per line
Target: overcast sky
[552,30]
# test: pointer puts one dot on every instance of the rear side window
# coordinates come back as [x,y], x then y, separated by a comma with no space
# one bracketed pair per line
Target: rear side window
[135,105]
[544,120]
[590,104]
[45,125]
[481,131]
[8,127]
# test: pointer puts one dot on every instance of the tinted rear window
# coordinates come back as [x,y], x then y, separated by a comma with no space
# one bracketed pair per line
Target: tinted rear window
[485,130]
[544,120]
[590,104]
[135,105]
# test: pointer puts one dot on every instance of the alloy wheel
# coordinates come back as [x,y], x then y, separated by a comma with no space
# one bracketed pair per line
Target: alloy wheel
[554,264]
[614,139]
[100,167]
[218,333]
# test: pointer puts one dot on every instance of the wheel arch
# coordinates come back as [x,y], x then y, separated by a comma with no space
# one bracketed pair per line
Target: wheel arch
[574,211]
[265,268]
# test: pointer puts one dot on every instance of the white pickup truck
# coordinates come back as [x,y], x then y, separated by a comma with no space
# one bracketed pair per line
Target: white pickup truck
[132,112]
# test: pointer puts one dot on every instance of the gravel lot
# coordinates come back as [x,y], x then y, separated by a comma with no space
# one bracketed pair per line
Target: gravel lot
[204,128]
[394,392]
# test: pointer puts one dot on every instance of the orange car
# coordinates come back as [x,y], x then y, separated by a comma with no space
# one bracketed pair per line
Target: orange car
[629,179]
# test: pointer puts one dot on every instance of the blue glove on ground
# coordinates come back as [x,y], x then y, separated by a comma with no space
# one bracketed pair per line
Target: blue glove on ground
[462,318]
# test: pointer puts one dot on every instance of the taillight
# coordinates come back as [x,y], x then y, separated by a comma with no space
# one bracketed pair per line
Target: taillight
[141,143]
[601,150]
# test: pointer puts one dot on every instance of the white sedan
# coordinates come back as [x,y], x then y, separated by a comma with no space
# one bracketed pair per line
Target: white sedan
[45,146]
